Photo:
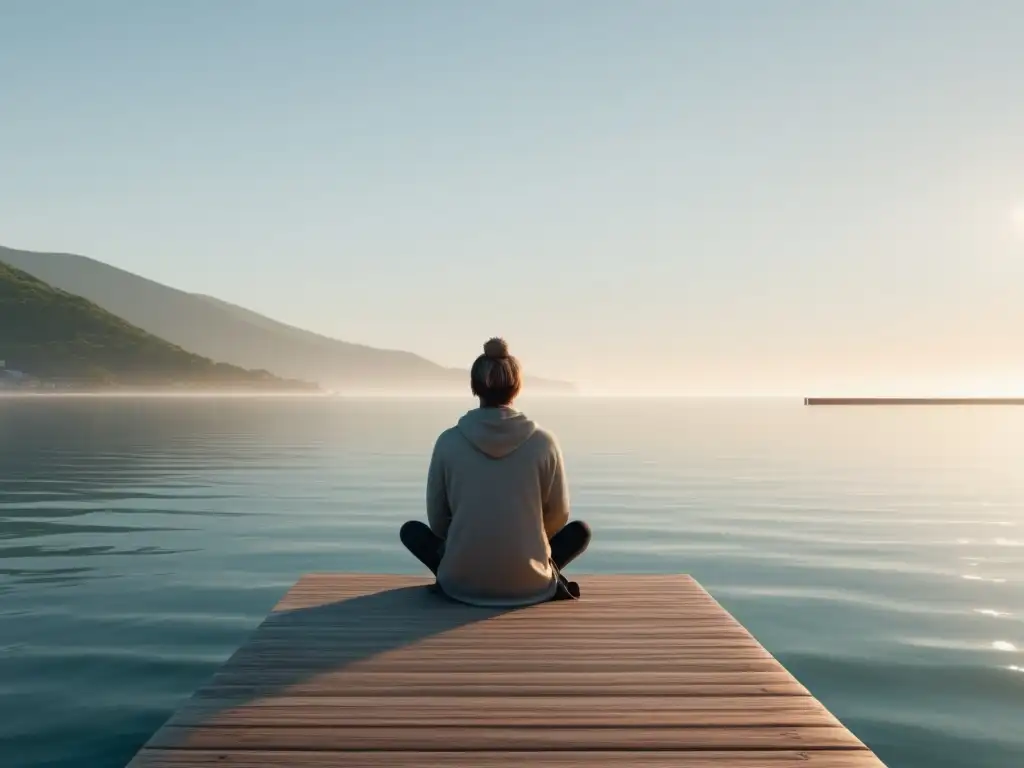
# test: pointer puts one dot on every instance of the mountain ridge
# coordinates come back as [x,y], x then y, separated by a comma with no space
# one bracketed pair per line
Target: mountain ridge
[220,330]
[52,336]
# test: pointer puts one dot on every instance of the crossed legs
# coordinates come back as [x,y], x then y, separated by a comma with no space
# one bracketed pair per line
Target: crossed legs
[566,545]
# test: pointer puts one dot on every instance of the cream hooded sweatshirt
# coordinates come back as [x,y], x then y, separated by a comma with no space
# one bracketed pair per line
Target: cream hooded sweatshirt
[496,492]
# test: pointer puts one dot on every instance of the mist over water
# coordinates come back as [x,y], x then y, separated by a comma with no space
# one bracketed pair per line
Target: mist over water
[878,553]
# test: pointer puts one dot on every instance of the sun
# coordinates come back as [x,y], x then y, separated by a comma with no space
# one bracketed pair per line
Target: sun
[1017,215]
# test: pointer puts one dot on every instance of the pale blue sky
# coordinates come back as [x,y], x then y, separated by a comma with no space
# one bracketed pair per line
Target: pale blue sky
[701,197]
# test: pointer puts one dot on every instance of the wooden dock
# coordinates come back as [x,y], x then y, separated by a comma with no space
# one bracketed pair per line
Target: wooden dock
[383,672]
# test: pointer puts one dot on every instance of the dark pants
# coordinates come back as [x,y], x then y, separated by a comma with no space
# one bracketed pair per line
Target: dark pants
[566,545]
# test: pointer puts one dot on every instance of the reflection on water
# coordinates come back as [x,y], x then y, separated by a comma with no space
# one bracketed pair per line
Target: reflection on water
[876,553]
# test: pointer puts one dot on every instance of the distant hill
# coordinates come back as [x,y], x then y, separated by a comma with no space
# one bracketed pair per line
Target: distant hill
[223,331]
[52,335]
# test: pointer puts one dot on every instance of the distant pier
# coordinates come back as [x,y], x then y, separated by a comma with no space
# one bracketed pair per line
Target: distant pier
[914,401]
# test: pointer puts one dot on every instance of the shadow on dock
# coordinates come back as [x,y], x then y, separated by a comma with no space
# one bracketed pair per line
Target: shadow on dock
[328,637]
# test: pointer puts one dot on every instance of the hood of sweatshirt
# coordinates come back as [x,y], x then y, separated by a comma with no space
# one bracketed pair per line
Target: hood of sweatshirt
[496,432]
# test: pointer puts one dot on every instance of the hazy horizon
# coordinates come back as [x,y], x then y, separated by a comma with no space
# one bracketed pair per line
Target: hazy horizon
[729,200]
[523,402]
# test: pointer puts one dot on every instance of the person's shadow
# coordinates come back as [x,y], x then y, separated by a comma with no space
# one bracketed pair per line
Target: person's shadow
[292,647]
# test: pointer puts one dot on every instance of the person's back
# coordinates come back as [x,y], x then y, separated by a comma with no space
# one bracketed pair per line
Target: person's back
[496,494]
[497,499]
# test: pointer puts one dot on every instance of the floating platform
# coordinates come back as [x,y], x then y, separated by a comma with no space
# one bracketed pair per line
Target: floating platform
[914,401]
[383,672]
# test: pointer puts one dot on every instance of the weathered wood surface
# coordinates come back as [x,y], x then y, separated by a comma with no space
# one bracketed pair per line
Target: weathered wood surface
[381,672]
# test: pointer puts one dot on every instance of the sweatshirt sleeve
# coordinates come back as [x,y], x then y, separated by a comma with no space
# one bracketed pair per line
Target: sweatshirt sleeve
[556,503]
[439,512]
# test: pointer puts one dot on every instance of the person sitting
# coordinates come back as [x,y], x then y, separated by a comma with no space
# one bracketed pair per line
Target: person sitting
[497,500]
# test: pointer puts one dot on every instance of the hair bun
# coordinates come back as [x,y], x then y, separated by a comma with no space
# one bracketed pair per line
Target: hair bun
[496,348]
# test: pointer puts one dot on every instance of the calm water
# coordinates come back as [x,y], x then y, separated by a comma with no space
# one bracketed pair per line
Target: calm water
[878,553]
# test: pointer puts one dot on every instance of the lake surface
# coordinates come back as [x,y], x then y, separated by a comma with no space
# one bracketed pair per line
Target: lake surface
[878,552]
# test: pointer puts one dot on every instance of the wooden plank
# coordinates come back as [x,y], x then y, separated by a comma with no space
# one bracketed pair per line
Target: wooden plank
[369,635]
[640,596]
[590,605]
[666,759]
[327,600]
[567,613]
[641,585]
[488,644]
[641,592]
[525,657]
[312,596]
[592,598]
[504,631]
[501,739]
[473,682]
[442,712]
[442,620]
[616,583]
[380,671]
[535,669]
[298,671]
[592,601]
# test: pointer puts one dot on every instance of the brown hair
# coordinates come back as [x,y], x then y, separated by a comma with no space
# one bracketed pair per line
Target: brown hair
[496,376]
